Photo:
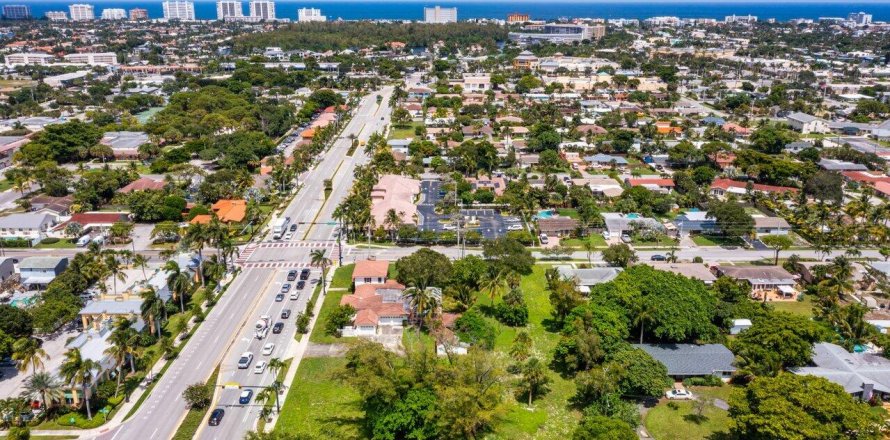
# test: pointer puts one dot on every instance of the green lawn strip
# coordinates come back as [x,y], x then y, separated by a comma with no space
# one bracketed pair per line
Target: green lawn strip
[716,240]
[664,422]
[64,243]
[550,416]
[568,212]
[319,406]
[193,418]
[578,243]
[261,423]
[342,279]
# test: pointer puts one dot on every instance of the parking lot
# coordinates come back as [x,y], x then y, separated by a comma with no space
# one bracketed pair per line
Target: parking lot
[488,222]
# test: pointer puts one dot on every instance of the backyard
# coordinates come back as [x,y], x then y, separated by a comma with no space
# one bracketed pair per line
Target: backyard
[342,281]
[676,420]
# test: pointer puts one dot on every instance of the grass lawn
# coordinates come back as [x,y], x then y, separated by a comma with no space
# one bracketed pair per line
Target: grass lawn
[342,280]
[193,418]
[597,240]
[5,184]
[64,243]
[318,405]
[403,133]
[665,423]
[804,307]
[716,240]
[549,417]
[662,242]
[568,212]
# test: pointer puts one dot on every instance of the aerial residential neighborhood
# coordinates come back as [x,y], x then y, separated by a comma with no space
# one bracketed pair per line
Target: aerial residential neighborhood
[624,220]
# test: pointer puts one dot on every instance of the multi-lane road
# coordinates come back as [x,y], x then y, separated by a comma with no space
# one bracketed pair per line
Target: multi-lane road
[228,327]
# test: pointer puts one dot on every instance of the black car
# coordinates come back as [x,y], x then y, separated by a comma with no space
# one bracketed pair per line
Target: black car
[292,275]
[216,416]
[300,285]
[658,257]
[285,314]
[278,327]
[279,297]
[304,274]
[293,227]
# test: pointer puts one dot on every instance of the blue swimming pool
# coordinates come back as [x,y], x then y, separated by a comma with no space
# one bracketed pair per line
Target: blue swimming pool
[633,215]
[547,213]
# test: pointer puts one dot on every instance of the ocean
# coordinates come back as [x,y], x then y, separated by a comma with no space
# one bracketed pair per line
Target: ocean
[413,9]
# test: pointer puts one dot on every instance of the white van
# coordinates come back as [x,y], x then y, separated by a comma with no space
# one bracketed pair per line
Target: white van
[83,241]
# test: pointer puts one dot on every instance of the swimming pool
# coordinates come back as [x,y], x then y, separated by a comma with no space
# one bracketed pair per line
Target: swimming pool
[547,213]
[633,215]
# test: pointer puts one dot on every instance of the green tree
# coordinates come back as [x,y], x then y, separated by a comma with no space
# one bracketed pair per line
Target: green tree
[778,243]
[777,341]
[534,380]
[339,318]
[638,374]
[603,428]
[424,268]
[508,253]
[79,373]
[731,218]
[791,407]
[44,386]
[29,354]
[825,186]
[197,395]
[620,255]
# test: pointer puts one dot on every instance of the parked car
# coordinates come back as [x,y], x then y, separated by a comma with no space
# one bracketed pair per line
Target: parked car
[292,275]
[679,394]
[260,367]
[278,327]
[304,274]
[245,397]
[216,416]
[285,314]
[626,238]
[514,227]
[658,257]
[279,297]
[245,360]
[268,348]
[544,239]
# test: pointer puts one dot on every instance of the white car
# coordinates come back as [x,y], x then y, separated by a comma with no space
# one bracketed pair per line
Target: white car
[449,227]
[543,238]
[679,394]
[514,227]
[245,360]
[268,349]
[259,368]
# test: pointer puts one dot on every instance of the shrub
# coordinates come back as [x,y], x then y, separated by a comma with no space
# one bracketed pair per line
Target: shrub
[50,240]
[704,381]
[197,395]
[472,328]
[17,433]
[512,311]
[339,318]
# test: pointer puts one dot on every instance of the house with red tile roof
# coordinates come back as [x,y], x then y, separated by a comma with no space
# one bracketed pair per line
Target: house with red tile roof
[867,177]
[376,305]
[370,272]
[142,184]
[723,187]
[654,184]
[94,220]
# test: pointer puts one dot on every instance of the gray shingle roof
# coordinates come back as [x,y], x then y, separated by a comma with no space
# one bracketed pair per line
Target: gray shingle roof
[691,359]
[849,370]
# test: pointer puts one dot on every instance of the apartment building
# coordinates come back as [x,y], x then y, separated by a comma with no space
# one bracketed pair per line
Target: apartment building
[138,14]
[81,12]
[179,10]
[310,14]
[228,9]
[21,59]
[93,59]
[56,15]
[16,12]
[438,14]
[262,9]
[114,14]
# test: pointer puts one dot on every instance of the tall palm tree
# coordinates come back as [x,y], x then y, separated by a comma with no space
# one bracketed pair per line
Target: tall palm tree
[423,302]
[228,251]
[178,282]
[115,270]
[197,236]
[215,268]
[275,365]
[151,309]
[494,284]
[141,262]
[45,386]
[29,354]
[644,314]
[320,259]
[78,372]
[122,348]
[271,392]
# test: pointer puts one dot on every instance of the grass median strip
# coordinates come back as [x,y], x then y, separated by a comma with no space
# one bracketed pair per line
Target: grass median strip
[192,420]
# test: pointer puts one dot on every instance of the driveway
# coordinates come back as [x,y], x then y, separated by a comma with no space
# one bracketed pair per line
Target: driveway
[54,345]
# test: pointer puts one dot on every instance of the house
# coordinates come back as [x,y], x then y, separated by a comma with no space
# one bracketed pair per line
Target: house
[605,160]
[696,271]
[97,314]
[557,226]
[526,60]
[376,305]
[652,184]
[125,144]
[94,220]
[863,375]
[722,187]
[142,184]
[394,193]
[370,272]
[230,211]
[807,124]
[57,206]
[40,271]
[691,360]
[618,223]
[739,325]
[771,226]
[694,221]
[30,226]
[496,184]
[92,344]
[841,165]
[797,146]
[587,278]
[8,146]
[764,278]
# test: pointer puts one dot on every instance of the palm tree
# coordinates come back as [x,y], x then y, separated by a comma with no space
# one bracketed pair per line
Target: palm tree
[494,284]
[320,259]
[115,270]
[590,248]
[215,268]
[44,385]
[177,281]
[423,302]
[151,309]
[29,354]
[78,372]
[644,313]
[141,262]
[196,238]
[270,392]
[122,348]
[275,365]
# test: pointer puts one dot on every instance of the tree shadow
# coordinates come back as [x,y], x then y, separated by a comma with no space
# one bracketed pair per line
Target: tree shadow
[695,418]
[552,325]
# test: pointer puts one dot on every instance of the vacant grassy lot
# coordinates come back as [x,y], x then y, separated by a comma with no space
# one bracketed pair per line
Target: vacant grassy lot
[804,307]
[404,133]
[716,240]
[318,405]
[341,282]
[666,423]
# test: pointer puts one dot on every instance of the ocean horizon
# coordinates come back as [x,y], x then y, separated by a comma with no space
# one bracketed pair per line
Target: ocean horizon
[467,9]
